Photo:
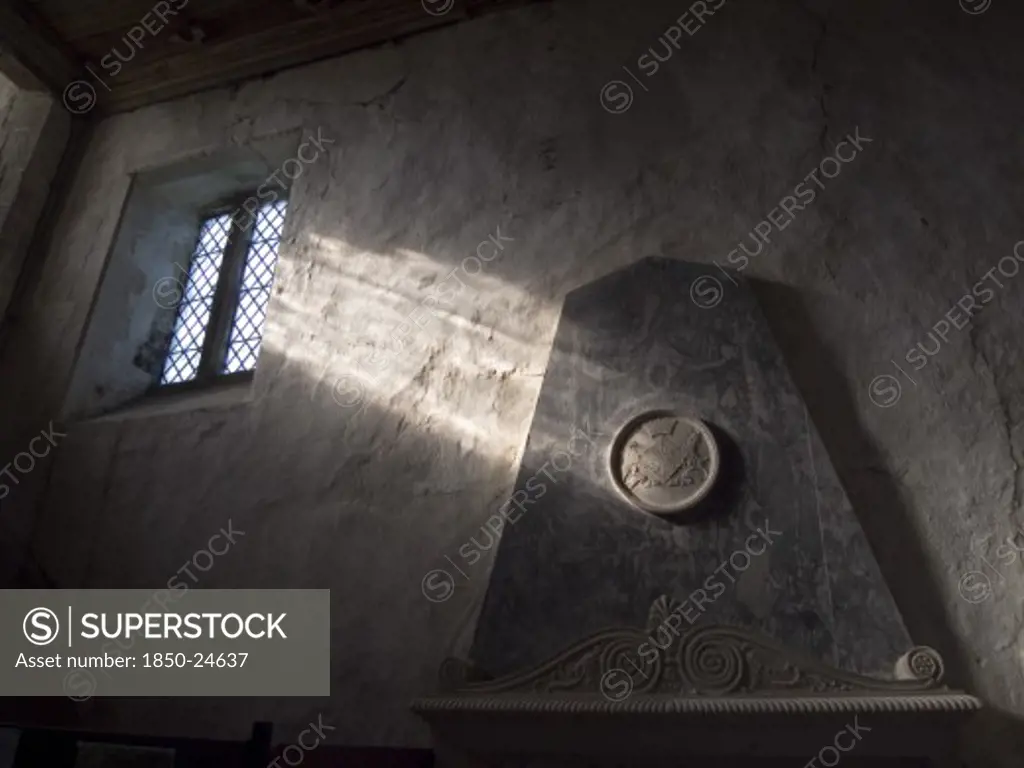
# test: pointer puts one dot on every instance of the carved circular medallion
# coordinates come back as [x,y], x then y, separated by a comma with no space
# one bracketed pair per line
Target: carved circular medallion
[664,462]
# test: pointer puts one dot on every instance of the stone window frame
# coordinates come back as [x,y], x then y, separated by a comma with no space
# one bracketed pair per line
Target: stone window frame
[166,199]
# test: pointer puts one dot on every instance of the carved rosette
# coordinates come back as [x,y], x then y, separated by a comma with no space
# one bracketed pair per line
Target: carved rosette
[920,663]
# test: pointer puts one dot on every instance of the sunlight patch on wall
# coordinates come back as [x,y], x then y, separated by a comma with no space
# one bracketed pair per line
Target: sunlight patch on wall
[408,333]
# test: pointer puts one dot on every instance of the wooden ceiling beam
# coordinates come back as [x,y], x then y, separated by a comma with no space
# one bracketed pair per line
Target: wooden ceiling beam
[340,29]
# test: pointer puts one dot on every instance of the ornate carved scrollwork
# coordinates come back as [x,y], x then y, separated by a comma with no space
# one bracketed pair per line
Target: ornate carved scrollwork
[578,668]
[711,661]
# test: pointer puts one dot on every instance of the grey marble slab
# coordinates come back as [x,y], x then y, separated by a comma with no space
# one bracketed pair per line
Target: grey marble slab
[576,557]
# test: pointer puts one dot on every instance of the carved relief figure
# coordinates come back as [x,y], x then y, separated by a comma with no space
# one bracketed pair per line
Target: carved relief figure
[666,461]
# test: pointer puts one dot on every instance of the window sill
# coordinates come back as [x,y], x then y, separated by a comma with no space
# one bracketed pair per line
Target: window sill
[232,391]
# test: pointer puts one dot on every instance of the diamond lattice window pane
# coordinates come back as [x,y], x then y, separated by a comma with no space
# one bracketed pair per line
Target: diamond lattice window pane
[254,296]
[242,356]
[181,366]
[250,316]
[202,276]
[186,345]
[269,222]
[213,235]
[259,266]
[190,327]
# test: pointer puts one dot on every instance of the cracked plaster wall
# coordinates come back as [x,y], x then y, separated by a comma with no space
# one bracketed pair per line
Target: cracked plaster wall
[445,137]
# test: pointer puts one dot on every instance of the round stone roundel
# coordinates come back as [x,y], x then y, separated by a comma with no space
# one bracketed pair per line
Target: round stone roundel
[664,462]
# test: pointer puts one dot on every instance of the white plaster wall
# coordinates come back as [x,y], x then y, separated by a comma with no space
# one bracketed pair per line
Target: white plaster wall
[442,139]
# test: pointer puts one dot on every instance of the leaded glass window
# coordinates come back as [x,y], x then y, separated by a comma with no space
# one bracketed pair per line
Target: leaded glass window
[218,327]
[254,293]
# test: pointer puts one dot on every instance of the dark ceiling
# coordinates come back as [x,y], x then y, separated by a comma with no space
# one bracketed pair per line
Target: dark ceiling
[147,51]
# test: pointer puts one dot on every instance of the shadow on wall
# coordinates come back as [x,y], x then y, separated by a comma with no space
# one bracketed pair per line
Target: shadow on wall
[877,500]
[875,495]
[312,485]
